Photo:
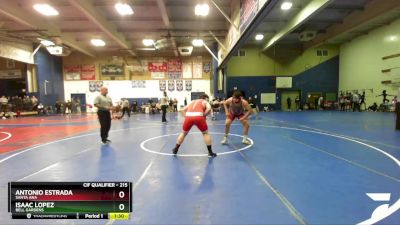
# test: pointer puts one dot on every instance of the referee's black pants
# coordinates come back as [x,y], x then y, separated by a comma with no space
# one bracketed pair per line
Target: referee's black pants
[105,123]
[127,110]
[164,112]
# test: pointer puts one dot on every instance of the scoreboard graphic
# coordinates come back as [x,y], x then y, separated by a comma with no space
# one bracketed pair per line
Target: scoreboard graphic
[70,200]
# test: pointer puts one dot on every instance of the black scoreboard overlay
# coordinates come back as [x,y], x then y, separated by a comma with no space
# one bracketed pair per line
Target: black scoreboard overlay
[70,200]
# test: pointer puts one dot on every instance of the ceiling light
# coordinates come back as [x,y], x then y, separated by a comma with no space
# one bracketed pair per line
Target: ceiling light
[259,37]
[201,9]
[197,42]
[393,38]
[123,9]
[148,42]
[286,5]
[45,9]
[46,42]
[146,49]
[97,42]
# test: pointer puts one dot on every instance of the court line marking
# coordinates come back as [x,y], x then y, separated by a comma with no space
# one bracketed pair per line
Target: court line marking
[54,164]
[41,170]
[134,187]
[391,209]
[344,159]
[66,139]
[292,210]
[192,155]
[326,131]
[340,137]
[9,135]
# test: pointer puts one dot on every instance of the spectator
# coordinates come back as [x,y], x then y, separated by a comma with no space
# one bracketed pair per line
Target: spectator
[373,107]
[35,103]
[4,103]
[320,103]
[289,103]
[297,102]
[125,108]
[175,103]
[164,105]
[355,99]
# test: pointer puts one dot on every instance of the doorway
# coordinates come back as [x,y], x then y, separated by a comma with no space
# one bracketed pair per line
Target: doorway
[82,100]
[284,100]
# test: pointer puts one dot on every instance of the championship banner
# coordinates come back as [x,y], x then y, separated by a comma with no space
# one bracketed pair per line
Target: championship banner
[72,72]
[187,70]
[171,85]
[136,70]
[95,86]
[157,75]
[99,85]
[112,70]
[174,69]
[163,85]
[207,67]
[197,70]
[138,84]
[92,86]
[11,74]
[188,85]
[248,10]
[179,85]
[88,72]
[157,67]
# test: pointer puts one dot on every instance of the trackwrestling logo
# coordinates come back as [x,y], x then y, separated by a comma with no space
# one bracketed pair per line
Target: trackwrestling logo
[382,211]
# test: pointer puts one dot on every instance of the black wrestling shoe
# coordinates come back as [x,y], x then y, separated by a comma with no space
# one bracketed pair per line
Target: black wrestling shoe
[108,141]
[175,151]
[212,155]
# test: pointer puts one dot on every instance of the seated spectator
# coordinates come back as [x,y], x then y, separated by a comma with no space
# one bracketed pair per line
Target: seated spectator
[35,103]
[3,103]
[40,109]
[373,107]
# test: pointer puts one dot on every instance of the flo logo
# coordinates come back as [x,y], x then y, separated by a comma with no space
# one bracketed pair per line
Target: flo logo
[383,210]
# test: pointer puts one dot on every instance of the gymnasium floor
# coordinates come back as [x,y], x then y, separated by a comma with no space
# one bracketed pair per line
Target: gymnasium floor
[303,168]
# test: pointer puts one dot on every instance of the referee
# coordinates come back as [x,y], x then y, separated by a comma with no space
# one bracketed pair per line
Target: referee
[104,105]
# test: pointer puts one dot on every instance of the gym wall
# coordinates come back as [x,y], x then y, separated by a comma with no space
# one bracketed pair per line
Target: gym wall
[361,61]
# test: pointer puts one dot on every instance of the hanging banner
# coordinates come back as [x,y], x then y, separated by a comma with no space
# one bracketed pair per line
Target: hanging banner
[72,76]
[163,85]
[157,75]
[93,86]
[136,70]
[72,72]
[179,85]
[197,70]
[207,67]
[174,69]
[88,72]
[248,10]
[112,70]
[157,67]
[10,74]
[171,85]
[188,85]
[187,70]
[138,84]
[99,85]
